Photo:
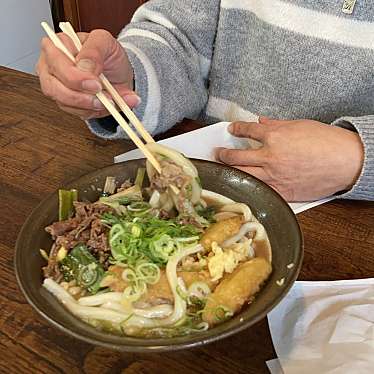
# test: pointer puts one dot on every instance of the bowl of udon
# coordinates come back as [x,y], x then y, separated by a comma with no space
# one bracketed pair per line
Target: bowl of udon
[136,260]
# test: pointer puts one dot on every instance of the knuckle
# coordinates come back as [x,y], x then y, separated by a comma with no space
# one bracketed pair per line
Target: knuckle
[94,54]
[273,137]
[84,101]
[67,109]
[66,75]
[101,33]
[287,193]
[76,100]
[67,98]
[267,158]
[228,156]
[70,79]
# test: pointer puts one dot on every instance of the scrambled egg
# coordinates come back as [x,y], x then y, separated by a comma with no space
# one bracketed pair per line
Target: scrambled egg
[226,261]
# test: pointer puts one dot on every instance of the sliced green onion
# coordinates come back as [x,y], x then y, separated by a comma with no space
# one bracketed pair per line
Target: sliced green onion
[196,302]
[138,206]
[222,313]
[139,236]
[149,272]
[199,289]
[134,293]
[136,231]
[181,293]
[88,275]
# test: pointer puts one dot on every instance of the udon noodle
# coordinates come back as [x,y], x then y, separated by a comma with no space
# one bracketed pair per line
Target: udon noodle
[156,261]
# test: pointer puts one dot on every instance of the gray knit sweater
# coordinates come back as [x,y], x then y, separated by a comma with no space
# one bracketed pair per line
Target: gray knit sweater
[237,59]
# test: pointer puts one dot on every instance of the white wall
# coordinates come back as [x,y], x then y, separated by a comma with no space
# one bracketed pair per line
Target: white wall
[20,32]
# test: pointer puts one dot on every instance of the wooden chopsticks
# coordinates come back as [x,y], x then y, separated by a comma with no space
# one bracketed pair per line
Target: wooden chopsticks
[68,29]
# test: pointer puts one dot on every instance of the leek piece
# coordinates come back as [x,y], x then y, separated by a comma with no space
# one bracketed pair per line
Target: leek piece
[124,197]
[83,267]
[44,254]
[65,202]
[110,186]
[140,177]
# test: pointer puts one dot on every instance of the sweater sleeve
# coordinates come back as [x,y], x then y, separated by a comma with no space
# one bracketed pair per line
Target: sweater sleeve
[170,45]
[364,187]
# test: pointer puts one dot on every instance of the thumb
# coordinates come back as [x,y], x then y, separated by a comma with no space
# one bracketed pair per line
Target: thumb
[96,48]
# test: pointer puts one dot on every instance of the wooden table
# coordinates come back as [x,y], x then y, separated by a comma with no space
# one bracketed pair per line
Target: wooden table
[40,149]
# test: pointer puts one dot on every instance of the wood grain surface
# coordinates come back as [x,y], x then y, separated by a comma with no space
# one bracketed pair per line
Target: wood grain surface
[40,149]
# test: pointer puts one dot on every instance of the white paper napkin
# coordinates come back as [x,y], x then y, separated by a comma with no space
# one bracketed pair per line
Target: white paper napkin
[325,328]
[201,143]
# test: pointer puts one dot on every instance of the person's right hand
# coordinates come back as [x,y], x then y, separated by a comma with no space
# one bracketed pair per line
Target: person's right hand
[73,86]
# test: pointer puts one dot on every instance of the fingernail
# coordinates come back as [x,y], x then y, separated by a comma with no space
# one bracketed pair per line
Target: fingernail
[86,65]
[230,128]
[132,100]
[91,86]
[97,104]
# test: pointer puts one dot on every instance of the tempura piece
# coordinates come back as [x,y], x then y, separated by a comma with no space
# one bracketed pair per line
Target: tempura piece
[190,277]
[235,289]
[159,292]
[162,292]
[220,231]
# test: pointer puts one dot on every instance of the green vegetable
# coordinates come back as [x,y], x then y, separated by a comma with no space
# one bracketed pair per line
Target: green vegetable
[134,193]
[206,213]
[83,267]
[140,177]
[222,313]
[126,197]
[138,278]
[125,200]
[65,201]
[197,302]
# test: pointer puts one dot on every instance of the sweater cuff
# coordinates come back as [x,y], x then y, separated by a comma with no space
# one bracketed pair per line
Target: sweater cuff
[147,86]
[364,187]
[106,128]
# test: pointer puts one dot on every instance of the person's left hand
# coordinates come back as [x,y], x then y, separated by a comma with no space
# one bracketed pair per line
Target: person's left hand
[303,159]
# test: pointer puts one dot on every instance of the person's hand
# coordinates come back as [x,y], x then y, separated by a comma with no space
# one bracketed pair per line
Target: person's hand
[303,160]
[72,86]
